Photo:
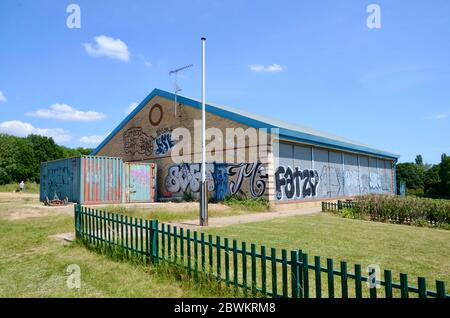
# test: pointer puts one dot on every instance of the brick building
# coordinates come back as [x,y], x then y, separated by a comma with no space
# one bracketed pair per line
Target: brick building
[298,165]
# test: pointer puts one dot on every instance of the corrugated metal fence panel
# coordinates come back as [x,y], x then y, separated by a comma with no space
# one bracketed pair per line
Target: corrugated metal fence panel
[102,179]
[140,182]
[61,177]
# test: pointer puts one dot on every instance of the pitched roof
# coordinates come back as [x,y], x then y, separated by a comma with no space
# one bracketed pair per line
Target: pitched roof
[287,131]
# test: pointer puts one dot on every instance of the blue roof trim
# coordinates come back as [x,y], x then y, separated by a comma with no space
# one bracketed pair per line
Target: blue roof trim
[284,133]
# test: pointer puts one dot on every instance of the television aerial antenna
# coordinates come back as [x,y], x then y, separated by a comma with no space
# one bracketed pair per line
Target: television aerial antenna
[176,88]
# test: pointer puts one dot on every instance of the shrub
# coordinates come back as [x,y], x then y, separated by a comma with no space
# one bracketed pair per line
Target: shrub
[188,197]
[404,210]
[258,204]
[350,213]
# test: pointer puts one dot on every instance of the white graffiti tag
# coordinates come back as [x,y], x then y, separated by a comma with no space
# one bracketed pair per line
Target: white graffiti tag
[186,176]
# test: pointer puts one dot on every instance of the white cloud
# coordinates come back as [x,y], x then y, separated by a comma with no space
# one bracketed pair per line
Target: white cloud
[92,140]
[66,112]
[439,116]
[146,63]
[2,97]
[131,107]
[268,69]
[21,129]
[109,47]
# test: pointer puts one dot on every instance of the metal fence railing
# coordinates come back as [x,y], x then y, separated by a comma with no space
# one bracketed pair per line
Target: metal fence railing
[251,268]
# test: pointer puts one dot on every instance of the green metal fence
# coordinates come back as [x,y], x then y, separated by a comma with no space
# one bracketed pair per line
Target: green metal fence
[253,269]
[337,206]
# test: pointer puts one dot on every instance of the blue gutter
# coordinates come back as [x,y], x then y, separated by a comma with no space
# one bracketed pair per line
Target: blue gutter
[284,133]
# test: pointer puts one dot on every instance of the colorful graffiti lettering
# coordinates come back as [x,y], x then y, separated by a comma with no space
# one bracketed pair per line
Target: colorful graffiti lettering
[186,177]
[295,183]
[255,171]
[183,177]
[163,141]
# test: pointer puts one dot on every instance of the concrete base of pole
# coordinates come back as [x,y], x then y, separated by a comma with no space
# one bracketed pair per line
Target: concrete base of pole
[203,203]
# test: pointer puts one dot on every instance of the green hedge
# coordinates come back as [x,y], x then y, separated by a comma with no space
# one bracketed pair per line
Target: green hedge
[409,210]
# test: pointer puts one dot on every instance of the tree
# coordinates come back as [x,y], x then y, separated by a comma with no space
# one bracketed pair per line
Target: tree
[444,175]
[20,158]
[419,160]
[432,181]
[44,149]
[412,174]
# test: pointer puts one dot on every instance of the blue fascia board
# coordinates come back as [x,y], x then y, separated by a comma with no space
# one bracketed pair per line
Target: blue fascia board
[284,133]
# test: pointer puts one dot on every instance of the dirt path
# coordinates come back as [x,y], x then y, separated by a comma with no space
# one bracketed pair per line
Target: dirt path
[19,206]
[248,218]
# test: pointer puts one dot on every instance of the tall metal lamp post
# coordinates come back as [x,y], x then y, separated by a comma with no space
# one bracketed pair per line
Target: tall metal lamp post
[204,187]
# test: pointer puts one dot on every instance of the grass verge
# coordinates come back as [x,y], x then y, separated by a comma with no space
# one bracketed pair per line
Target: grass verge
[30,187]
[166,215]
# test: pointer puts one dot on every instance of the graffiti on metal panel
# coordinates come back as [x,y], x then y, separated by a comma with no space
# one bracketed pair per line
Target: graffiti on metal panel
[336,181]
[364,183]
[136,141]
[163,141]
[58,179]
[254,171]
[296,183]
[351,181]
[183,177]
[374,181]
[140,175]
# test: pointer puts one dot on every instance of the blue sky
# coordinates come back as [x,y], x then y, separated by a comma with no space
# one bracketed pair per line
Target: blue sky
[314,63]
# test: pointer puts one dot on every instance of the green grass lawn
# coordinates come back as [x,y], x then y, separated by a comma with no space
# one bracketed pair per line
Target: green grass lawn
[401,248]
[34,265]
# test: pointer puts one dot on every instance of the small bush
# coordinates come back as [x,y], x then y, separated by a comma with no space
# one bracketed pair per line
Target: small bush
[258,204]
[188,197]
[350,213]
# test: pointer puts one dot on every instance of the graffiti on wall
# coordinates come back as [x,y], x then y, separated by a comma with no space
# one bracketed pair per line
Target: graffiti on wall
[220,180]
[336,185]
[295,182]
[163,141]
[374,181]
[351,181]
[256,174]
[136,141]
[186,177]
